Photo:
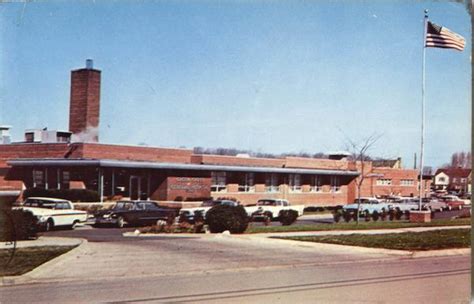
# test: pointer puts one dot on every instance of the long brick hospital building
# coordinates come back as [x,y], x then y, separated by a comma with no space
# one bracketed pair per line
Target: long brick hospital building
[75,159]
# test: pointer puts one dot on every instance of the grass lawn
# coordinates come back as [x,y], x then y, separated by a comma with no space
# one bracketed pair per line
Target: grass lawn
[26,259]
[361,226]
[426,240]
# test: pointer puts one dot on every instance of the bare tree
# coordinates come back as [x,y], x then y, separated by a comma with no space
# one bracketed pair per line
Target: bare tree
[359,155]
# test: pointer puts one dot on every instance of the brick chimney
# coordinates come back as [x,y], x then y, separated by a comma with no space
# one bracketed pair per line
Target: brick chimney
[84,105]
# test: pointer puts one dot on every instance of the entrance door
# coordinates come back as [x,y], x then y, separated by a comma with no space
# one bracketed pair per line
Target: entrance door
[135,187]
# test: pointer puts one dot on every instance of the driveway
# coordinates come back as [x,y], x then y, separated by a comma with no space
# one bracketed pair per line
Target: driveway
[108,254]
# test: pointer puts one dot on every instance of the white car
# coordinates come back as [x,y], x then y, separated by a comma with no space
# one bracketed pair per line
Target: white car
[272,208]
[367,205]
[53,212]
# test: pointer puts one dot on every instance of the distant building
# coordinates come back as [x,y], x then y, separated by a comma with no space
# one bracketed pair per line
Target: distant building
[453,179]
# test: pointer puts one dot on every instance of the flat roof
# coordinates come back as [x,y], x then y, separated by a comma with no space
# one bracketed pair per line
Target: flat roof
[108,163]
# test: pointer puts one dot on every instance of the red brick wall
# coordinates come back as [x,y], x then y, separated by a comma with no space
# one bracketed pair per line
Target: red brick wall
[85,100]
[324,198]
[310,163]
[370,186]
[33,151]
[119,152]
[237,161]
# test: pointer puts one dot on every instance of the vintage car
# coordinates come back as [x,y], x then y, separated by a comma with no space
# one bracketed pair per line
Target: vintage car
[405,204]
[189,213]
[134,213]
[367,205]
[271,208]
[53,212]
[453,202]
[433,204]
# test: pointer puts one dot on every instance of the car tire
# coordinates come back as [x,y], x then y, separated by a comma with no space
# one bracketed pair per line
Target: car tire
[120,222]
[49,225]
[74,225]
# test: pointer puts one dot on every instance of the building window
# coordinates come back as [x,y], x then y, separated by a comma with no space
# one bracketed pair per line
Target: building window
[218,182]
[295,182]
[442,179]
[335,184]
[384,182]
[455,180]
[316,183]
[271,183]
[463,180]
[407,182]
[65,180]
[249,183]
[38,178]
[29,137]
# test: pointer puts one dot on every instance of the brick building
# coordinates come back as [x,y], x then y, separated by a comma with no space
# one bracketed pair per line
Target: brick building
[165,174]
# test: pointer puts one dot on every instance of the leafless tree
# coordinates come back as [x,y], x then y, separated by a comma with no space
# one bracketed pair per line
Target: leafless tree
[359,155]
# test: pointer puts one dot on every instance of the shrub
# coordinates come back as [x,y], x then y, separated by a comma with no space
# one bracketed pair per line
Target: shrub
[73,195]
[391,215]
[337,215]
[347,216]
[19,225]
[367,215]
[222,217]
[288,217]
[398,214]
[375,215]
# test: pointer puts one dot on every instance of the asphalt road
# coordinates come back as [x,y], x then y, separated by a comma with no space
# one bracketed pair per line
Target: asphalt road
[217,269]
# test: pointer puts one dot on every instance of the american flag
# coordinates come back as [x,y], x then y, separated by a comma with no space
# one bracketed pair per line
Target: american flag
[440,37]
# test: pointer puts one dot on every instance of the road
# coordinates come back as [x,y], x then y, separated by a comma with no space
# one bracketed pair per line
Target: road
[219,269]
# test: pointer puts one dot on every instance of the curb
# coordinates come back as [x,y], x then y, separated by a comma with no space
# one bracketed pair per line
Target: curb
[26,277]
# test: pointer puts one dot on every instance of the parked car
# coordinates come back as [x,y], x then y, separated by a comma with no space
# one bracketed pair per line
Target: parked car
[53,212]
[433,204]
[367,205]
[405,204]
[453,202]
[134,213]
[271,208]
[189,213]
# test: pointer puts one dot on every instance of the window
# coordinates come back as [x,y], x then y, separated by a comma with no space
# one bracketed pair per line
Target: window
[316,183]
[295,182]
[218,182]
[407,182]
[335,184]
[463,180]
[384,182]
[29,137]
[455,180]
[38,178]
[271,183]
[442,179]
[249,183]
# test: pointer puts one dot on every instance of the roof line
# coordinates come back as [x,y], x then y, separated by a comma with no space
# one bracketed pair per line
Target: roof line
[107,163]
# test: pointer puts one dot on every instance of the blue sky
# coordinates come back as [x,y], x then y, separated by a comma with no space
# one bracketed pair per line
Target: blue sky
[270,76]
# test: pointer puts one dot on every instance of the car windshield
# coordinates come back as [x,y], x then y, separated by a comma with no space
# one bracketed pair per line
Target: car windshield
[210,203]
[123,206]
[37,203]
[266,203]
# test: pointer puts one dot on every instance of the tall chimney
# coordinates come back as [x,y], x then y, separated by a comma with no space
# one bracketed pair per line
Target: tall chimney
[84,108]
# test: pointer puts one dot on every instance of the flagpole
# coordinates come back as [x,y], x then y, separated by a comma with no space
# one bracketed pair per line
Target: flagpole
[425,23]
